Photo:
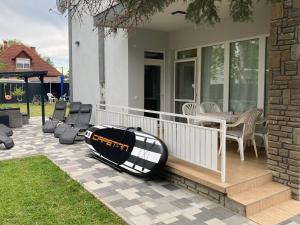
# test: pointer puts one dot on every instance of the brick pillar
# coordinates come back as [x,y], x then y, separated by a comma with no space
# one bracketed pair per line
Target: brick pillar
[284,95]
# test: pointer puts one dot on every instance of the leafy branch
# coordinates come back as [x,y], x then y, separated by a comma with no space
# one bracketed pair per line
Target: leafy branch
[132,13]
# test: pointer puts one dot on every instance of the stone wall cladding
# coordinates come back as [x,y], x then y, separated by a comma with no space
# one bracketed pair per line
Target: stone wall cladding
[284,95]
[217,197]
[207,192]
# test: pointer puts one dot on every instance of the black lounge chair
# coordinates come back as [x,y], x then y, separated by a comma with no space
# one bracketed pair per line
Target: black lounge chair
[72,133]
[71,119]
[6,130]
[58,115]
[7,141]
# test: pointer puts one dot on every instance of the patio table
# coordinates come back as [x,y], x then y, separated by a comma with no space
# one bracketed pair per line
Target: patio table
[229,117]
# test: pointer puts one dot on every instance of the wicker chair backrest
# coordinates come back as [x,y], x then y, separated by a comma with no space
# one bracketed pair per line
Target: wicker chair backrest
[209,107]
[249,119]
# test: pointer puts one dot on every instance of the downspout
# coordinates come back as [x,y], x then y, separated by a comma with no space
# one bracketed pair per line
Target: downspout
[101,37]
[70,57]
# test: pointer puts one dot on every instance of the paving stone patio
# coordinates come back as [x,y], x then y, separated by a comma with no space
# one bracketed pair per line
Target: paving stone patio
[136,201]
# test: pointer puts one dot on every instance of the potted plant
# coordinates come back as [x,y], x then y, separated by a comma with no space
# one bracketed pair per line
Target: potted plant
[18,92]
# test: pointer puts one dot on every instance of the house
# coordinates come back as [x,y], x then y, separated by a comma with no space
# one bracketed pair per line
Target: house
[19,57]
[168,62]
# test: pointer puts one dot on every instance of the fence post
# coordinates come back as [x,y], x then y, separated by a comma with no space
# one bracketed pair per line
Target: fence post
[223,151]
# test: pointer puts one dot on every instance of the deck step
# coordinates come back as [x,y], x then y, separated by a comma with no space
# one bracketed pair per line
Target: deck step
[278,213]
[249,184]
[259,198]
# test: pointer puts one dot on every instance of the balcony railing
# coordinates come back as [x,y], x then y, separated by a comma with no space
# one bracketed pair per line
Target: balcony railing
[201,145]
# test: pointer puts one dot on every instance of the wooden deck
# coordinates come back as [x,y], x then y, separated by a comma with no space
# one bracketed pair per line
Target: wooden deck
[248,185]
[237,171]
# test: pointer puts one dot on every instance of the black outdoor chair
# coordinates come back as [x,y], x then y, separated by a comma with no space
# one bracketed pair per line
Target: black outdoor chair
[72,133]
[58,116]
[5,132]
[71,119]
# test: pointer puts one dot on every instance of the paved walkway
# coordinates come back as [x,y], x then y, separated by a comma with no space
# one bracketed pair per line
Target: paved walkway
[137,201]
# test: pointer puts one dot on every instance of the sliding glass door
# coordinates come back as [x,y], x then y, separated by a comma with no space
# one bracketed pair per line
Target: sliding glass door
[233,74]
[243,81]
[212,74]
[184,83]
[267,82]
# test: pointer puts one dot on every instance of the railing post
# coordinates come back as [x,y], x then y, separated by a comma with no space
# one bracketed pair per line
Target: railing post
[97,114]
[160,127]
[122,116]
[223,151]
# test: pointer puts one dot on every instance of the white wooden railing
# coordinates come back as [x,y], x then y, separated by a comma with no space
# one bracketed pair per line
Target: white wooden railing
[199,145]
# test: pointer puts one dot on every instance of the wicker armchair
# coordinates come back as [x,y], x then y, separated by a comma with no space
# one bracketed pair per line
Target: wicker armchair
[209,107]
[15,117]
[191,109]
[248,122]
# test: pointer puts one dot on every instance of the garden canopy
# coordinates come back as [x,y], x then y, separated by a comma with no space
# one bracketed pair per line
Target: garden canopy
[25,75]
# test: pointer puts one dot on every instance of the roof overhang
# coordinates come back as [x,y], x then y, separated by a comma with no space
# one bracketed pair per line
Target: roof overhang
[110,15]
[168,22]
[24,74]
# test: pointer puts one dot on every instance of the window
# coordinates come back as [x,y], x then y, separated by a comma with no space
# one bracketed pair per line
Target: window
[153,55]
[184,80]
[22,63]
[212,74]
[266,105]
[243,79]
[185,54]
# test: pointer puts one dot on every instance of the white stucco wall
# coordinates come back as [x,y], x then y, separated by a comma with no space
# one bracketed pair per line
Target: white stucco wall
[116,69]
[85,63]
[139,42]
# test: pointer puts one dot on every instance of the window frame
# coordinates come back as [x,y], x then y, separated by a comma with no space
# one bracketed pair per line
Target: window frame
[23,62]
[261,68]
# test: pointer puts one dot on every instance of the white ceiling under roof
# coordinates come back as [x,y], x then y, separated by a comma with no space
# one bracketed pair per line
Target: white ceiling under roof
[165,21]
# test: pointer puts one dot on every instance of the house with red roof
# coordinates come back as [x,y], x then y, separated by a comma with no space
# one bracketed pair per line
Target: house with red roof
[19,57]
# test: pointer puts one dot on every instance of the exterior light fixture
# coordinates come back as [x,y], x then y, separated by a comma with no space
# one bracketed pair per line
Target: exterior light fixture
[77,43]
[178,13]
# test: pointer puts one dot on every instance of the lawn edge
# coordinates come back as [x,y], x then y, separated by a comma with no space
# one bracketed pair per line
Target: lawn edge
[106,204]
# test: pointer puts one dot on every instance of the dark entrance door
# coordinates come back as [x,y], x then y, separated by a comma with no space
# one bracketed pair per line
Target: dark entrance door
[152,89]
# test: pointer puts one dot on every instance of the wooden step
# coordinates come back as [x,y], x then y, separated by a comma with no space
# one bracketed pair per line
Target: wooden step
[262,197]
[278,213]
[249,184]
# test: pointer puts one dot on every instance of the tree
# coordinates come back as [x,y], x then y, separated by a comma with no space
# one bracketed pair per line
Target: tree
[131,13]
[11,42]
[47,59]
[2,65]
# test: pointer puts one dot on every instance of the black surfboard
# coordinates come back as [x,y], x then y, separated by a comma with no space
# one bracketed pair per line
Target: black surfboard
[128,149]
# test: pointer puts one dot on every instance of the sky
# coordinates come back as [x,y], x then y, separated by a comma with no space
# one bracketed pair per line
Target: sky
[31,22]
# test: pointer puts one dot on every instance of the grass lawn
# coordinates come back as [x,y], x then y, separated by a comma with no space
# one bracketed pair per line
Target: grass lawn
[35,191]
[35,110]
